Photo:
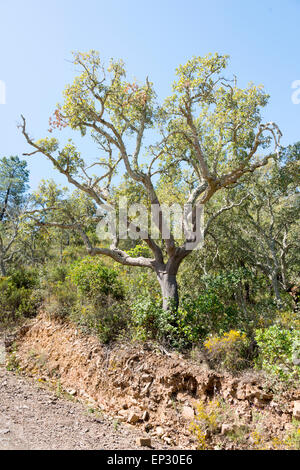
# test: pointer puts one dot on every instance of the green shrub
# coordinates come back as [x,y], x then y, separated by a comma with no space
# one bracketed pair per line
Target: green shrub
[140,250]
[56,273]
[203,315]
[99,307]
[93,278]
[279,351]
[108,319]
[152,322]
[191,323]
[61,300]
[29,302]
[28,279]
[18,299]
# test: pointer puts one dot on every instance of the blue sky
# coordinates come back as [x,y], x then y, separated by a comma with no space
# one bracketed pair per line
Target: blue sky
[153,38]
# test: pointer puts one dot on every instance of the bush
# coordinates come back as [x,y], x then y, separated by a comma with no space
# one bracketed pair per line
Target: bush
[203,315]
[61,300]
[151,321]
[100,307]
[139,250]
[206,422]
[56,273]
[94,279]
[108,319]
[18,298]
[228,351]
[28,279]
[191,323]
[279,352]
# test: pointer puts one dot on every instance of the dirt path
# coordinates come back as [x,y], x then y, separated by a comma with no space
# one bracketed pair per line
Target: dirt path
[32,417]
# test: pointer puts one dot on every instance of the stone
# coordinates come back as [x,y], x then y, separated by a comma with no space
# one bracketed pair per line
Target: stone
[144,441]
[274,405]
[133,418]
[145,416]
[263,396]
[133,401]
[159,431]
[146,388]
[259,403]
[146,378]
[168,440]
[241,394]
[120,418]
[188,412]
[296,410]
[227,393]
[182,397]
[148,427]
[227,428]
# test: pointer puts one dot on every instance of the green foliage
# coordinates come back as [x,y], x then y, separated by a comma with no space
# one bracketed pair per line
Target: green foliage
[224,115]
[279,349]
[108,319]
[205,314]
[19,296]
[188,325]
[24,278]
[139,283]
[151,321]
[13,183]
[226,282]
[62,299]
[292,440]
[91,295]
[139,250]
[56,273]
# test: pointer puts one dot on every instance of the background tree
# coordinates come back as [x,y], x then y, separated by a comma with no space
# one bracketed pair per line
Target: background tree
[263,246]
[268,228]
[14,177]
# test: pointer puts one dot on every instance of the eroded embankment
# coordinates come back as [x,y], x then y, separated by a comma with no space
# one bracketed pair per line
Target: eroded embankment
[145,387]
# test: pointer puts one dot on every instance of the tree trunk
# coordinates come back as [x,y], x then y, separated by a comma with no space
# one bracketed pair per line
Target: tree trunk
[2,268]
[5,204]
[169,290]
[275,286]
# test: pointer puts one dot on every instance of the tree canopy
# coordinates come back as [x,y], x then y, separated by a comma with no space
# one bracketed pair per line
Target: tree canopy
[207,137]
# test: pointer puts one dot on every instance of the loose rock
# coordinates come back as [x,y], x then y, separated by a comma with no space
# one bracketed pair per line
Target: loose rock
[296,410]
[143,441]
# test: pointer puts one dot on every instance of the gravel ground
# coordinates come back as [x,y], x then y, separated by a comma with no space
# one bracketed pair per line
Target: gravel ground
[32,417]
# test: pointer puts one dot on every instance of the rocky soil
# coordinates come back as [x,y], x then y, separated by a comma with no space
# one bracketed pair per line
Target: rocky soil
[146,390]
[34,417]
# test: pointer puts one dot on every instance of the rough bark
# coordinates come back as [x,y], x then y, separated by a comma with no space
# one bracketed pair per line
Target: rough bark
[275,286]
[2,268]
[169,290]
